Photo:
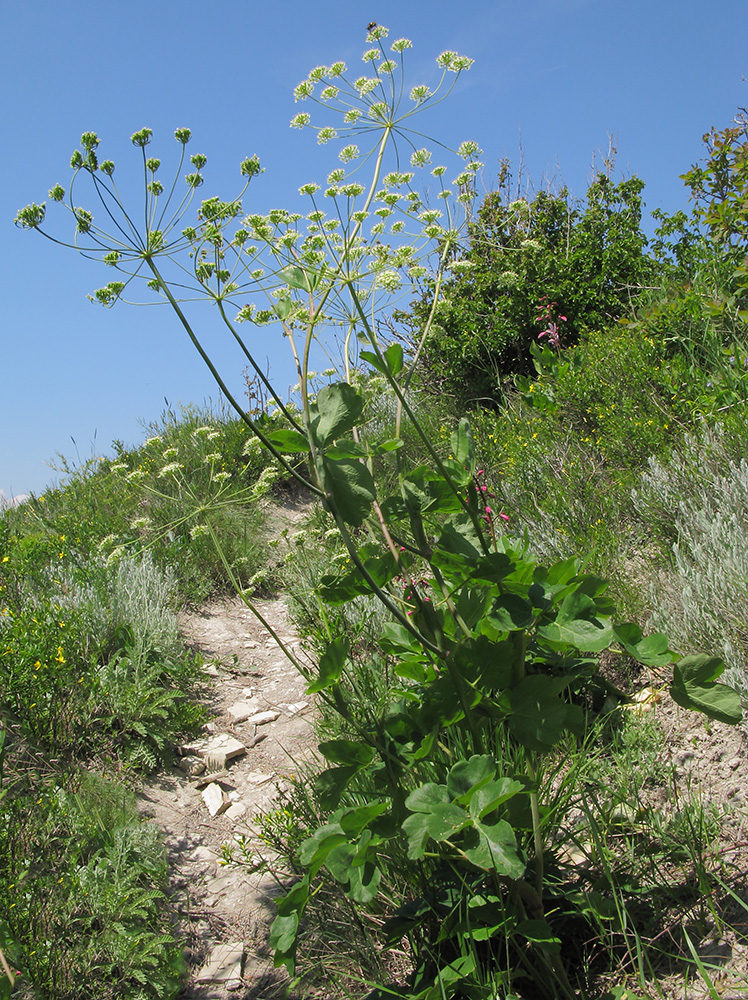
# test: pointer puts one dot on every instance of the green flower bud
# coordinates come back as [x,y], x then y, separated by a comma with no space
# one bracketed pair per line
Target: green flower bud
[107,167]
[108,295]
[194,180]
[112,259]
[83,219]
[156,188]
[153,164]
[76,160]
[183,135]
[156,241]
[89,140]
[198,160]
[250,167]
[142,138]
[31,216]
[57,193]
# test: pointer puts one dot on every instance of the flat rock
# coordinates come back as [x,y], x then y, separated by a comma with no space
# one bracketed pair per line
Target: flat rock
[215,799]
[216,750]
[191,765]
[293,708]
[258,778]
[240,711]
[224,965]
[236,810]
[262,718]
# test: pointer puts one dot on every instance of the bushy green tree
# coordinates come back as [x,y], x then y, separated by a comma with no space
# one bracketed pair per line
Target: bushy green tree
[530,264]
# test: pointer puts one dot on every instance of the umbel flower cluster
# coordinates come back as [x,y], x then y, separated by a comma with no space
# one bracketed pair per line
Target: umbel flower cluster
[373,231]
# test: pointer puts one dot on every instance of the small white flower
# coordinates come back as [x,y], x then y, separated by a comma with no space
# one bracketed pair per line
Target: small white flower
[303,90]
[420,93]
[198,531]
[115,555]
[170,469]
[221,477]
[213,457]
[170,453]
[152,440]
[300,120]
[136,475]
[118,466]
[401,44]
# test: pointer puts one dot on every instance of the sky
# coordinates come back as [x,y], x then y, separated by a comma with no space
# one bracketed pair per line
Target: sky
[553,81]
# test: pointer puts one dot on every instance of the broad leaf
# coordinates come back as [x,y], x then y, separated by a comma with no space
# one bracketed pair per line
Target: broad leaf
[539,717]
[346,752]
[332,783]
[364,881]
[331,665]
[338,408]
[390,363]
[467,776]
[463,445]
[351,487]
[494,848]
[695,686]
[582,634]
[289,441]
[426,797]
[493,794]
[651,650]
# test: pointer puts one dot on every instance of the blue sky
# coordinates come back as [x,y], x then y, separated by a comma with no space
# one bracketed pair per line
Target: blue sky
[554,78]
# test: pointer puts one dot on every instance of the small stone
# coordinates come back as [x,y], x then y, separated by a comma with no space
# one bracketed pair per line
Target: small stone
[248,692]
[258,778]
[211,670]
[216,750]
[224,964]
[295,707]
[262,718]
[734,763]
[235,811]
[191,765]
[271,644]
[215,799]
[250,645]
[240,711]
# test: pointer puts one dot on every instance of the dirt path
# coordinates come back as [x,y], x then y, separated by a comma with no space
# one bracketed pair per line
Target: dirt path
[260,710]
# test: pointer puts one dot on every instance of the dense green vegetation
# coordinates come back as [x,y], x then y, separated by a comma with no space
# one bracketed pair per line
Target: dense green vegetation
[483,811]
[97,687]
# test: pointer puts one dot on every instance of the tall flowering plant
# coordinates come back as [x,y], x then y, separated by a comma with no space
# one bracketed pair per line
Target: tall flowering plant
[493,657]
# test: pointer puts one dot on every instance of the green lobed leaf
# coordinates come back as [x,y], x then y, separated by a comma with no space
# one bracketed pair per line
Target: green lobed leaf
[493,847]
[331,665]
[390,363]
[331,784]
[467,776]
[539,717]
[336,411]
[346,752]
[350,485]
[695,686]
[651,650]
[289,441]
